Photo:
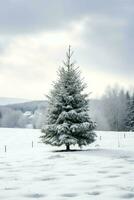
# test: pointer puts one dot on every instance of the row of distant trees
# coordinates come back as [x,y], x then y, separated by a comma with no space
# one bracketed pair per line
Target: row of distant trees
[12,118]
[114,111]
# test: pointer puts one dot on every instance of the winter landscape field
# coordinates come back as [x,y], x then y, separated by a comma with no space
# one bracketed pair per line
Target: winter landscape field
[101,171]
[66,76]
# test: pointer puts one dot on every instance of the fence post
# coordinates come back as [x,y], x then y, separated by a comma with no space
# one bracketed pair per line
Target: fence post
[118,139]
[5,148]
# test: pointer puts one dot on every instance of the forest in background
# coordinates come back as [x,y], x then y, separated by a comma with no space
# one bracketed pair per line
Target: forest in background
[114,111]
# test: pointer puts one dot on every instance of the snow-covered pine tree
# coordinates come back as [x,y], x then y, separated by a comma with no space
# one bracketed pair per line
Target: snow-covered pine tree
[130,114]
[126,121]
[68,121]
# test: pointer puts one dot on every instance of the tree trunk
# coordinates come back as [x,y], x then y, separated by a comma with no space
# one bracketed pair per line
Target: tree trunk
[67,147]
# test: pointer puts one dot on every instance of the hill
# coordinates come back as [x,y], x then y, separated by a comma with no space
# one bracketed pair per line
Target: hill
[7,100]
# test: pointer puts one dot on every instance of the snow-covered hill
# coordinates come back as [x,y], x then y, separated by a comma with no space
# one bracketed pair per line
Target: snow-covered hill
[7,100]
[102,171]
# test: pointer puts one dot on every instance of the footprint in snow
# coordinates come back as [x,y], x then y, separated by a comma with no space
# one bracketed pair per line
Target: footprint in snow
[128,189]
[55,157]
[119,166]
[14,170]
[94,193]
[2,163]
[46,179]
[130,161]
[35,195]
[102,172]
[11,188]
[70,195]
[113,176]
[124,157]
[128,196]
[70,175]
[125,172]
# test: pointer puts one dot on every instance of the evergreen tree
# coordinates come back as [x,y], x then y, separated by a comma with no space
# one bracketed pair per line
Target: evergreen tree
[130,114]
[126,122]
[68,121]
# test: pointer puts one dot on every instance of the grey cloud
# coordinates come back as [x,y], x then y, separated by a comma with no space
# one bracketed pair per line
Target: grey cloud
[110,42]
[20,16]
[108,36]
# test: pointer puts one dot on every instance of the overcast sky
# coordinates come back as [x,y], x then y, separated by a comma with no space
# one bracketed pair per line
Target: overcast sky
[35,34]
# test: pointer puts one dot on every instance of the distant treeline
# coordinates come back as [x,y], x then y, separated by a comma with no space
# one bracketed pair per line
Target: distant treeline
[23,115]
[31,106]
[114,111]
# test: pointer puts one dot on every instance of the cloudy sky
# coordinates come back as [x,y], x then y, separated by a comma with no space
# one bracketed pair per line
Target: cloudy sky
[35,34]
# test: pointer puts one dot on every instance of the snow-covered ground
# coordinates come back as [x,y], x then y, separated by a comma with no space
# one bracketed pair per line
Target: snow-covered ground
[102,171]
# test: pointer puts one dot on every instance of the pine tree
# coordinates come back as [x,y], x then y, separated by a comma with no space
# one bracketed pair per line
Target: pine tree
[130,114]
[68,121]
[126,121]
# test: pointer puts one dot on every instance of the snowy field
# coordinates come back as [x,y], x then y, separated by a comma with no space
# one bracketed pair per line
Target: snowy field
[102,171]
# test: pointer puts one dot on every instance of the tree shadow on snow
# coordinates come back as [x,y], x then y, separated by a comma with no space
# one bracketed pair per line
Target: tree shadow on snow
[114,153]
[71,150]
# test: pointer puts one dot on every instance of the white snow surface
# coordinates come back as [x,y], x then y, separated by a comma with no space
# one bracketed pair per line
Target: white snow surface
[101,171]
